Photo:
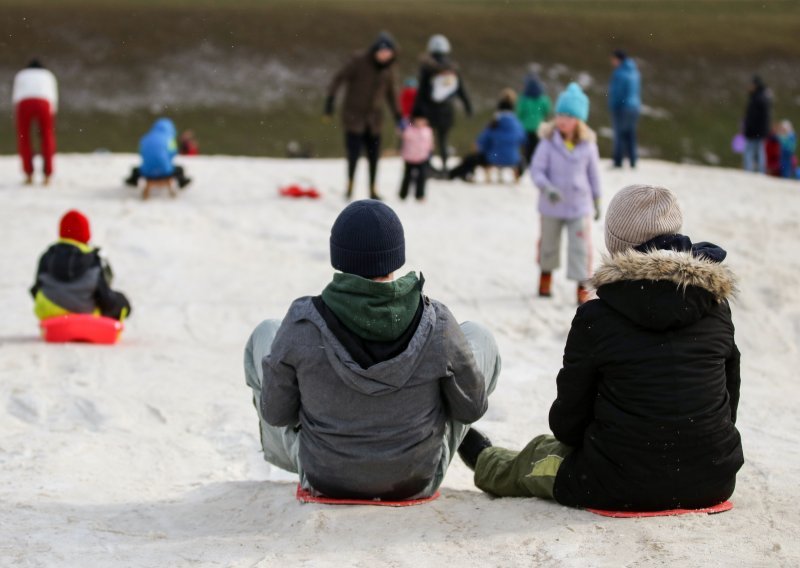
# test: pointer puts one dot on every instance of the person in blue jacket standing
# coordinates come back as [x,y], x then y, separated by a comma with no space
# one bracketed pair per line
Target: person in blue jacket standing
[157,148]
[498,144]
[625,102]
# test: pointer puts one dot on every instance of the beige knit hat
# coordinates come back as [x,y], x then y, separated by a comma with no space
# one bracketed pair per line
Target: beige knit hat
[639,213]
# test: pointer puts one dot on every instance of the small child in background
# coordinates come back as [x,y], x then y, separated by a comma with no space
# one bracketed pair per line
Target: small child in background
[533,108]
[499,144]
[72,278]
[417,140]
[408,96]
[565,168]
[788,145]
[188,144]
[157,149]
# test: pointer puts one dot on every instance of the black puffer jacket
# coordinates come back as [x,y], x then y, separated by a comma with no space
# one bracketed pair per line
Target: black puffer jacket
[74,278]
[650,386]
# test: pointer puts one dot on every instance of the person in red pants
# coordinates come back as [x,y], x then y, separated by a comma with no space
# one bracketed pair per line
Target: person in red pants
[35,98]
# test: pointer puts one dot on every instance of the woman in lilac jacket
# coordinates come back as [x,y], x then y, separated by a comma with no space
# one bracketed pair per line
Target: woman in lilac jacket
[565,169]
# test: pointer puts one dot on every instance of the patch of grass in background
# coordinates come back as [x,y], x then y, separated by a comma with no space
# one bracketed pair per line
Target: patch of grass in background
[697,59]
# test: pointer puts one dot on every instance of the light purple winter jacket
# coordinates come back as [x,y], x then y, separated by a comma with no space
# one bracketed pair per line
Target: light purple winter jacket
[573,174]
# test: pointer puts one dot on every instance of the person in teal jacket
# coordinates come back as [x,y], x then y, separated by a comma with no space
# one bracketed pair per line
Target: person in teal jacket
[533,108]
[625,102]
[157,148]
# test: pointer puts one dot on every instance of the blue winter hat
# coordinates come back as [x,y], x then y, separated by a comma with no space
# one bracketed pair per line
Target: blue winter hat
[367,239]
[573,102]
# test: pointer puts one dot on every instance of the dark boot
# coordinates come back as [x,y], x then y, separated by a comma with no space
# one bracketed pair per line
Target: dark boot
[133,179]
[373,194]
[471,447]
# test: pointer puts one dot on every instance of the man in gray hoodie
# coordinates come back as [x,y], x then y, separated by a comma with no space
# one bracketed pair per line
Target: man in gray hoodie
[367,390]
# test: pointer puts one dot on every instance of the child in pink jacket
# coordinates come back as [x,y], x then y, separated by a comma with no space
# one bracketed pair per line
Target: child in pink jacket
[417,148]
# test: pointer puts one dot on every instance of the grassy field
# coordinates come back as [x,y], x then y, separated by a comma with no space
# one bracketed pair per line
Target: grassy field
[248,76]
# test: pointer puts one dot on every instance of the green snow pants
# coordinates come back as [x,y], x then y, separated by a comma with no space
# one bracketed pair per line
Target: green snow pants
[529,473]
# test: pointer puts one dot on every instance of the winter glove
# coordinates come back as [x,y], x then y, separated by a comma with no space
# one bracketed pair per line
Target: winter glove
[553,195]
[597,209]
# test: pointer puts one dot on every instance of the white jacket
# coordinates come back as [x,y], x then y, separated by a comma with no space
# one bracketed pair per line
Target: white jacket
[33,83]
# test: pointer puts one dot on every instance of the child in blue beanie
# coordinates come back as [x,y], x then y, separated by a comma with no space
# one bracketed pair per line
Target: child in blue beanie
[565,168]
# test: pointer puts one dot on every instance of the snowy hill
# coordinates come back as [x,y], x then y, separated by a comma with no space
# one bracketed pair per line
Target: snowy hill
[147,454]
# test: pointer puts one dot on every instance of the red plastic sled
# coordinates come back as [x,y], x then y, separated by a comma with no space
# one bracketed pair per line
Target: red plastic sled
[305,497]
[720,508]
[297,192]
[85,328]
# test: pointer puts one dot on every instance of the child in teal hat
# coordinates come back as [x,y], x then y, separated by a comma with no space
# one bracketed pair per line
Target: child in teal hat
[565,169]
[573,102]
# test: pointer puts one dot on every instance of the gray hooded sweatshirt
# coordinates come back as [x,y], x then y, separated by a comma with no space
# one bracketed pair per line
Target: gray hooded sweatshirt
[375,432]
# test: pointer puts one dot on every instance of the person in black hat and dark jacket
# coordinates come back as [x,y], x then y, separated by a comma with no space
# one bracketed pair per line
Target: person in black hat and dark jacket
[757,123]
[367,389]
[648,395]
[369,80]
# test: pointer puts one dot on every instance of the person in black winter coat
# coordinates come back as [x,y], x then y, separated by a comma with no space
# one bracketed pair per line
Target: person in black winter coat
[648,393]
[439,84]
[757,121]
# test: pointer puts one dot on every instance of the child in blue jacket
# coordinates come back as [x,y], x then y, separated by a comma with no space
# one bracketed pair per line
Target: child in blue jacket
[498,144]
[157,149]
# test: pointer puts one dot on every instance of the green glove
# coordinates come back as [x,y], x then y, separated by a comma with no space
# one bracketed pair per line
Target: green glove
[553,194]
[597,209]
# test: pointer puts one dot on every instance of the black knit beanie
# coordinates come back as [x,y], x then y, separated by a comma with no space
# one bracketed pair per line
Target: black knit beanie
[367,240]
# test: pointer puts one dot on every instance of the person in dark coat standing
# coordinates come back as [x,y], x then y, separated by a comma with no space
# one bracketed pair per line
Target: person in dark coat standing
[757,126]
[439,84]
[369,80]
[647,400]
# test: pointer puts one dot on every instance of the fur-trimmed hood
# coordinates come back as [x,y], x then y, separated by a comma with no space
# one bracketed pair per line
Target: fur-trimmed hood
[585,134]
[663,289]
[681,268]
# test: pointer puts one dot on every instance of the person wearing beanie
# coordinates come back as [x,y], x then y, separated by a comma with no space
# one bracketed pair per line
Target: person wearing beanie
[440,83]
[565,168]
[533,108]
[625,103]
[647,398]
[73,278]
[35,99]
[417,146]
[498,144]
[157,149]
[367,389]
[369,80]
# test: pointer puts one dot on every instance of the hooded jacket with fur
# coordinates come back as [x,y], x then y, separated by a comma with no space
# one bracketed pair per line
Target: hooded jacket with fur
[649,388]
[376,431]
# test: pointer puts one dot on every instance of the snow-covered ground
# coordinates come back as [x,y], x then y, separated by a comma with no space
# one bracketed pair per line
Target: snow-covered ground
[146,453]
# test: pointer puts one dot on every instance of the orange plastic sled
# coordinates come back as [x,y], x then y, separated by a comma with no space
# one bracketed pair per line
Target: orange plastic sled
[86,328]
[305,497]
[720,508]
